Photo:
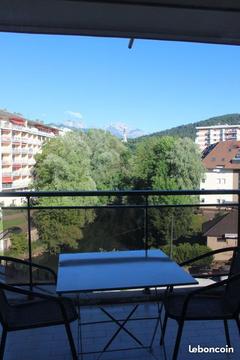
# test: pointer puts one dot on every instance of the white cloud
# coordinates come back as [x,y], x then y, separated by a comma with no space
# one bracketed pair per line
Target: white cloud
[74,114]
[74,123]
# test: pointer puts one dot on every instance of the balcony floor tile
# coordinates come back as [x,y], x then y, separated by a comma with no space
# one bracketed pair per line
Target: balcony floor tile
[51,343]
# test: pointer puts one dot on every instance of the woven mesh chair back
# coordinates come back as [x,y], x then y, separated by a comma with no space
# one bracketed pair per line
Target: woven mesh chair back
[232,293]
[4,307]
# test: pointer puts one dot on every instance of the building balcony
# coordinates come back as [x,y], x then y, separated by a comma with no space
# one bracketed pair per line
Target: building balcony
[7,179]
[16,173]
[16,139]
[16,151]
[17,163]
[6,161]
[6,174]
[6,139]
[6,150]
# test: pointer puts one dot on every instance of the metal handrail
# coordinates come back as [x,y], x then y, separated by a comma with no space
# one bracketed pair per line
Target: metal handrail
[117,193]
[145,204]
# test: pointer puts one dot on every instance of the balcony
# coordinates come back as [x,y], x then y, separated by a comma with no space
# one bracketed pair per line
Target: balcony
[6,139]
[51,343]
[119,220]
[7,179]
[16,164]
[6,161]
[16,139]
[6,174]
[6,150]
[16,151]
[16,173]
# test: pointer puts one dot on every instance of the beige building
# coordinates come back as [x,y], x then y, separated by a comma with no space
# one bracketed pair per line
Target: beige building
[221,232]
[222,163]
[21,140]
[208,135]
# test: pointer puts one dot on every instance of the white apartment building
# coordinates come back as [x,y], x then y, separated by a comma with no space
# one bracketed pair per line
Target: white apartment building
[208,135]
[222,163]
[20,141]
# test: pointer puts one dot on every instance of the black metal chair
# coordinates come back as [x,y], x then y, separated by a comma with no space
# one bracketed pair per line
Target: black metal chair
[12,271]
[37,310]
[206,303]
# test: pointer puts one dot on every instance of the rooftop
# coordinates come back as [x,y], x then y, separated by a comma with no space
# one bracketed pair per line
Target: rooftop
[223,155]
[225,224]
[218,127]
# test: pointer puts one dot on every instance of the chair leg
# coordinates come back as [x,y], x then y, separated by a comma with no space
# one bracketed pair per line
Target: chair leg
[178,339]
[71,341]
[164,328]
[238,324]
[227,333]
[3,342]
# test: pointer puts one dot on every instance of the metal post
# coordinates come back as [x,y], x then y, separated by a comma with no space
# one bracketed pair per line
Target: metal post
[238,226]
[171,238]
[146,225]
[29,241]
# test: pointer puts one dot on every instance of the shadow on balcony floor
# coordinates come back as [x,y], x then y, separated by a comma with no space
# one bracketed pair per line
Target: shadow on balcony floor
[51,343]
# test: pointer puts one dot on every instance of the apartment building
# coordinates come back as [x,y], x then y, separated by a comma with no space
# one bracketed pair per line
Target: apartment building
[222,163]
[208,135]
[20,141]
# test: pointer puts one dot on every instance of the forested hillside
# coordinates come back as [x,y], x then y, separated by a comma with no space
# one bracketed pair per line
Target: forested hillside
[189,130]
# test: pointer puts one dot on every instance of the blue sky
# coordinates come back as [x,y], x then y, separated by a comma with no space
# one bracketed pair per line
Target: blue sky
[99,81]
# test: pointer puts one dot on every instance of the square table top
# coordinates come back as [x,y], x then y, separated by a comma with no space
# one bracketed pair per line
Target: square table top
[118,270]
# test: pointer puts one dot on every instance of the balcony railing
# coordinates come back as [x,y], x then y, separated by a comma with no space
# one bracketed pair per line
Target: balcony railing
[111,213]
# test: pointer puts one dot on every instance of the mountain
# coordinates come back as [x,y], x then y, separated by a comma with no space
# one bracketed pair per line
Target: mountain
[189,130]
[119,130]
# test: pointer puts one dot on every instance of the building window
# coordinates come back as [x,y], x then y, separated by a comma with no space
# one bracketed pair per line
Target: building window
[221,181]
[221,239]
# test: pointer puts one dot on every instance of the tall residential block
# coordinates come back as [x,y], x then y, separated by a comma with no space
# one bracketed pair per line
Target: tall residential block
[208,135]
[20,141]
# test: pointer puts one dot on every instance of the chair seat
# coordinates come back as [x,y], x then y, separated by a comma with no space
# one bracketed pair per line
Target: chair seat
[199,307]
[39,313]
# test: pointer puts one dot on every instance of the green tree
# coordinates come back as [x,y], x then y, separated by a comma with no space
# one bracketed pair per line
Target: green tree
[187,251]
[76,161]
[19,245]
[108,159]
[64,164]
[167,163]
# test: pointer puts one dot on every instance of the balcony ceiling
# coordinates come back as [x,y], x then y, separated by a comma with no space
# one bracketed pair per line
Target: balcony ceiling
[213,21]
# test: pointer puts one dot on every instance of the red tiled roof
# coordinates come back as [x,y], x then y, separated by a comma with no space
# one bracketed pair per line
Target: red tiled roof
[222,155]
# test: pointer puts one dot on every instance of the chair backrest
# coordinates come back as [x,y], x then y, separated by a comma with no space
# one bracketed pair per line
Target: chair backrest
[232,293]
[4,307]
